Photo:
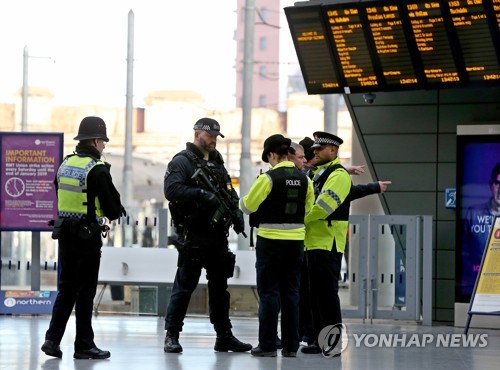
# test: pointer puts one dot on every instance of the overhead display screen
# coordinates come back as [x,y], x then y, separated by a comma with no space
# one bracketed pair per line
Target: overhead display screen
[433,42]
[387,33]
[314,52]
[478,49]
[350,44]
[397,45]
[496,9]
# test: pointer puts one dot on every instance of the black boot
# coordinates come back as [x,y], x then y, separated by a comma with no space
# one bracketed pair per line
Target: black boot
[258,352]
[311,349]
[227,342]
[52,349]
[172,344]
[91,354]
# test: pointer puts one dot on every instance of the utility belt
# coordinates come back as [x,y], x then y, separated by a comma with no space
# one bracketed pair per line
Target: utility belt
[196,257]
[77,226]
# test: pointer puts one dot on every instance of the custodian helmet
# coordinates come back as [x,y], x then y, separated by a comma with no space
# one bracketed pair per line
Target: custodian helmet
[92,128]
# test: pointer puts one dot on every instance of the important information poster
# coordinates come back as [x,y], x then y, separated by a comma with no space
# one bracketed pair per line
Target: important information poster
[29,162]
[487,296]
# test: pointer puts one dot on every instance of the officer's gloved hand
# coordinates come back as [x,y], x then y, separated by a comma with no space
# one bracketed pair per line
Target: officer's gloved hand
[239,223]
[207,197]
[123,212]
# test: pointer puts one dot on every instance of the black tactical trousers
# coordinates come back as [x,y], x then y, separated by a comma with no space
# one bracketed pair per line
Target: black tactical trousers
[186,280]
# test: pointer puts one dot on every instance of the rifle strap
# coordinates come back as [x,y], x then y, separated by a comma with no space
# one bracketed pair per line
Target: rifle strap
[199,163]
[251,237]
[193,157]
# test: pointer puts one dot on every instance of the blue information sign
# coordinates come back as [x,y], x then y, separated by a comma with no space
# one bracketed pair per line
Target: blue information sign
[450,196]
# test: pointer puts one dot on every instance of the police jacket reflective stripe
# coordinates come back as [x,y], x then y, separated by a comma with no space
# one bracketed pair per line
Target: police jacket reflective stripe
[322,232]
[72,186]
[278,201]
[341,213]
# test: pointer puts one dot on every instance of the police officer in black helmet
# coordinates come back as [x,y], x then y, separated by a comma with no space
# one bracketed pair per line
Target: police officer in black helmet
[86,195]
[201,242]
[277,203]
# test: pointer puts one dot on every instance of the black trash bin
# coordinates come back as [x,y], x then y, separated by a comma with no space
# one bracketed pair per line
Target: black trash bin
[117,292]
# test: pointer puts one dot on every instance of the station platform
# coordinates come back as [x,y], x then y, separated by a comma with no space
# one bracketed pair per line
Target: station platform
[136,342]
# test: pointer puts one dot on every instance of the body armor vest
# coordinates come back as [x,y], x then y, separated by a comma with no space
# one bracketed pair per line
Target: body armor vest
[285,204]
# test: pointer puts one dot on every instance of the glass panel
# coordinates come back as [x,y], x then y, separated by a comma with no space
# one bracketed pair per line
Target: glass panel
[148,300]
[350,282]
[15,273]
[139,229]
[391,274]
[130,299]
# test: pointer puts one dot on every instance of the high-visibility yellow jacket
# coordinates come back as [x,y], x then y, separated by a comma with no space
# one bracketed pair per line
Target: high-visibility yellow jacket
[320,233]
[258,193]
[72,186]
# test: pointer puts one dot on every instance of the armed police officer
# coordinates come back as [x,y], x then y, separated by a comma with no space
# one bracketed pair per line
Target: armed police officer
[85,195]
[203,206]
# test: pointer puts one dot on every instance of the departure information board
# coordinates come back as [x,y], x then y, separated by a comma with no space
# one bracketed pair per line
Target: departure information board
[397,44]
[350,44]
[314,52]
[478,50]
[433,42]
[388,35]
[496,8]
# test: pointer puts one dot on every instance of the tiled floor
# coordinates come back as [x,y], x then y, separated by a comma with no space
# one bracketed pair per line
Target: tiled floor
[136,342]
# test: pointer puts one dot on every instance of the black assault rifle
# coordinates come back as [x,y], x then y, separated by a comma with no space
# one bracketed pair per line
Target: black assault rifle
[225,204]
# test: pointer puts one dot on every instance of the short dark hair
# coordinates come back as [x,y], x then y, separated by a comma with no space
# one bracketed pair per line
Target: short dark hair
[282,150]
[87,142]
[495,172]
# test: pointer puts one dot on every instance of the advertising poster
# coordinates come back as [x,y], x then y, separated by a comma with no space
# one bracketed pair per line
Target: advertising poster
[478,202]
[29,162]
[487,295]
[26,302]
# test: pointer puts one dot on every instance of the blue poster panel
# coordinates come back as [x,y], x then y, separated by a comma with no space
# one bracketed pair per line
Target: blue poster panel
[478,201]
[30,302]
